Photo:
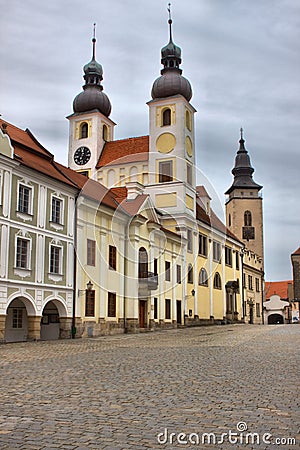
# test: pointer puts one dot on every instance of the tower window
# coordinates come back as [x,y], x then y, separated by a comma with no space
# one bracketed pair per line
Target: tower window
[165,171]
[84,130]
[247,219]
[105,132]
[188,120]
[166,117]
[229,220]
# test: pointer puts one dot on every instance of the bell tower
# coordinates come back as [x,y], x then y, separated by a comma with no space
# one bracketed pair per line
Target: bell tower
[90,126]
[244,211]
[171,128]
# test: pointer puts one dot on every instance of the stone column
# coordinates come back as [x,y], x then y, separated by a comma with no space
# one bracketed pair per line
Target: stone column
[34,328]
[65,326]
[2,327]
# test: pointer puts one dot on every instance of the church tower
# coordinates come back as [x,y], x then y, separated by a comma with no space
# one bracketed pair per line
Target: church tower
[244,213]
[171,147]
[90,126]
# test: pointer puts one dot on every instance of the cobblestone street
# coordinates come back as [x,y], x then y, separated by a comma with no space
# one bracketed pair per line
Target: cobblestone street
[133,391]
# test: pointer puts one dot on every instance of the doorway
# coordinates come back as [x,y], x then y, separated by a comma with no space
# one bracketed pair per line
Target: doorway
[143,313]
[50,322]
[178,312]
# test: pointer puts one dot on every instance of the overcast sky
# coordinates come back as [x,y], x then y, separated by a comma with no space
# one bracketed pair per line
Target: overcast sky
[241,57]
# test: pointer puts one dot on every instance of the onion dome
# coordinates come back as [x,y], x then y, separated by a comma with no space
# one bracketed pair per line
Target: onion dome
[92,96]
[243,170]
[171,81]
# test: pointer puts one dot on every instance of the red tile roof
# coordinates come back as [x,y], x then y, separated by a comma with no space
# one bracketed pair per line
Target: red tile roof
[213,221]
[277,287]
[125,150]
[296,252]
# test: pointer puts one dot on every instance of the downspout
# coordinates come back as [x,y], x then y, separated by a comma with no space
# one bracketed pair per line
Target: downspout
[242,285]
[73,329]
[262,297]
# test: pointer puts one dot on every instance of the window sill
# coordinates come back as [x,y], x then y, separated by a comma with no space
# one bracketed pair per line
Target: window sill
[57,226]
[24,216]
[22,272]
[55,277]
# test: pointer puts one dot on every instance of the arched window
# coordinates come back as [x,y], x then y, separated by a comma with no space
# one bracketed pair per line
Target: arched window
[247,219]
[188,120]
[166,117]
[203,278]
[84,130]
[105,132]
[217,281]
[190,274]
[143,263]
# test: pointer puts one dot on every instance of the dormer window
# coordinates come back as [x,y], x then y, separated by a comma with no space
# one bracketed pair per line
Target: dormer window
[84,130]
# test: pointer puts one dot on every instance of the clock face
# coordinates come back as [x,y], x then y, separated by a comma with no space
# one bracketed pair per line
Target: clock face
[82,156]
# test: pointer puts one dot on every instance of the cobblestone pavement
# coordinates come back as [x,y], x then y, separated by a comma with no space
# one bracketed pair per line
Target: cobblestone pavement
[121,392]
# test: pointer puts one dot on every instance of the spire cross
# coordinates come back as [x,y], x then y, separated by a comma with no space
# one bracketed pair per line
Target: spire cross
[94,42]
[170,20]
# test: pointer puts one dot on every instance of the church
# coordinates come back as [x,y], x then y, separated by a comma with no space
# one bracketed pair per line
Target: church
[123,239]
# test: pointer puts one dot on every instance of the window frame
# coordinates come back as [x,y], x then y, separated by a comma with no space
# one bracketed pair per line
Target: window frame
[217,281]
[178,274]
[112,257]
[165,177]
[168,312]
[202,244]
[111,304]
[28,252]
[167,271]
[91,252]
[189,235]
[190,274]
[17,322]
[228,256]
[59,247]
[203,274]
[217,251]
[84,126]
[90,303]
[30,198]
[61,210]
[164,116]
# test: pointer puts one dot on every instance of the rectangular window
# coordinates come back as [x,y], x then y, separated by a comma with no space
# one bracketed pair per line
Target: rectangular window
[56,210]
[168,308]
[91,252]
[228,256]
[178,274]
[257,284]
[155,308]
[244,280]
[189,240]
[216,251]
[22,256]
[189,174]
[17,318]
[237,260]
[250,282]
[112,257]
[165,171]
[24,199]
[111,306]
[202,245]
[167,271]
[257,310]
[89,303]
[55,259]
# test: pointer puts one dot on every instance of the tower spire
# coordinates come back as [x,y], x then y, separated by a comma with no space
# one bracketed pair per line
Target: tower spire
[94,42]
[170,21]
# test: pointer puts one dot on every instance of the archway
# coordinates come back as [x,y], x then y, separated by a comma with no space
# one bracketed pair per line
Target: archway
[50,327]
[275,319]
[16,324]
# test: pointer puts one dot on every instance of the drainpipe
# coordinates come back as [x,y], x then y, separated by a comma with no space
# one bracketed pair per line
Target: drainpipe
[73,329]
[242,284]
[262,298]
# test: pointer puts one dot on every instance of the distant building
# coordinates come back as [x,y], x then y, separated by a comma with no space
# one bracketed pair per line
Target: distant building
[278,307]
[295,257]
